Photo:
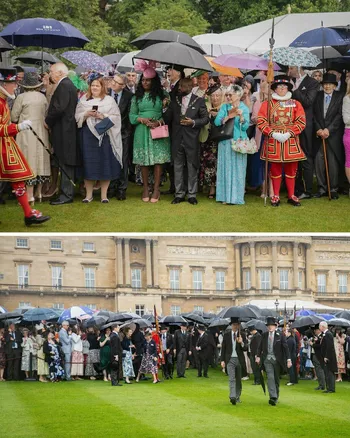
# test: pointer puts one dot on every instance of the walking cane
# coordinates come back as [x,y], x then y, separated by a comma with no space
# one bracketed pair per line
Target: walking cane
[52,155]
[326,165]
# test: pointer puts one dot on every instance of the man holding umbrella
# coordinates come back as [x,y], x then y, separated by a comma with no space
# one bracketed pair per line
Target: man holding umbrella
[273,353]
[182,349]
[116,356]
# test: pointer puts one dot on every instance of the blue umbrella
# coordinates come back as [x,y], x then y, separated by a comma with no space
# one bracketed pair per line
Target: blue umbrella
[75,312]
[39,314]
[43,32]
[323,36]
[325,316]
[87,60]
[305,312]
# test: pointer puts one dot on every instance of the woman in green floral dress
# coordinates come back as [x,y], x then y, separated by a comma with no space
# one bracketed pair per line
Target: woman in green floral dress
[146,112]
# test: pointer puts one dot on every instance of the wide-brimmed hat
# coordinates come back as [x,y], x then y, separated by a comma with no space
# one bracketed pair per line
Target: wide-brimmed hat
[8,75]
[282,80]
[31,80]
[201,327]
[329,78]
[270,320]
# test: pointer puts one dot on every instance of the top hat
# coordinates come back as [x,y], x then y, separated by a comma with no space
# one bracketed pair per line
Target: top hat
[282,80]
[235,320]
[201,327]
[270,320]
[31,81]
[163,327]
[7,75]
[183,324]
[329,78]
[176,67]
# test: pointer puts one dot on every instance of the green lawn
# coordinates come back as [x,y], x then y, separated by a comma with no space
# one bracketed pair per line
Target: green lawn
[132,215]
[183,408]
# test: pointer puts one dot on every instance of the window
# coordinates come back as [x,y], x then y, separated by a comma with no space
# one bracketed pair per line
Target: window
[321,283]
[2,276]
[58,306]
[57,276]
[56,244]
[89,277]
[220,280]
[23,275]
[247,279]
[283,279]
[24,305]
[265,283]
[136,278]
[342,283]
[22,243]
[300,279]
[140,309]
[91,306]
[198,308]
[89,246]
[174,275]
[175,310]
[197,280]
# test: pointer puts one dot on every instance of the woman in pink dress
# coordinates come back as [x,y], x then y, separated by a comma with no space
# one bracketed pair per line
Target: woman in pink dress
[339,341]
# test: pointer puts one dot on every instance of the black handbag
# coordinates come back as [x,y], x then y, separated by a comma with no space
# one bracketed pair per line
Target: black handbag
[222,132]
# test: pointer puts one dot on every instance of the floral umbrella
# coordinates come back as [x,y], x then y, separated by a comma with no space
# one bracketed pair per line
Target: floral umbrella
[87,60]
[293,56]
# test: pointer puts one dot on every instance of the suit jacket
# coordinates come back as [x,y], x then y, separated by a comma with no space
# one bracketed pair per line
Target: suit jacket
[124,108]
[169,341]
[333,122]
[187,135]
[328,351]
[203,343]
[65,341]
[116,346]
[61,120]
[280,349]
[182,341]
[226,350]
[317,348]
[174,92]
[306,95]
[292,347]
[254,343]
[9,343]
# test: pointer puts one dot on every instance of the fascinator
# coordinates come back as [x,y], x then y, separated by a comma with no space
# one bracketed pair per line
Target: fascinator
[146,68]
[78,82]
[94,75]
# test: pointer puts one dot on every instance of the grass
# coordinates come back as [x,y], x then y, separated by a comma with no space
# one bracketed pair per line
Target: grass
[184,408]
[132,215]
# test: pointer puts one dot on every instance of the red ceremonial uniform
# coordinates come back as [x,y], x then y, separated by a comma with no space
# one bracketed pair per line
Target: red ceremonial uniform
[13,164]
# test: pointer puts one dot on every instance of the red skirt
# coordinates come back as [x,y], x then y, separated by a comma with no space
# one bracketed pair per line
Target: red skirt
[13,164]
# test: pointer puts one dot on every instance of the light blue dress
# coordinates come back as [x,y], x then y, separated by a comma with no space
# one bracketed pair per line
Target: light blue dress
[231,166]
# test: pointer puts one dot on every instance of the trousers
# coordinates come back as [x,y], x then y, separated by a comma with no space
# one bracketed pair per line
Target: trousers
[181,362]
[273,377]
[319,372]
[180,160]
[234,371]
[320,170]
[330,377]
[67,364]
[203,364]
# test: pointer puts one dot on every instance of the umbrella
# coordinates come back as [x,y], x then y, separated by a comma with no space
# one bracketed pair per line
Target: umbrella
[114,58]
[43,32]
[231,71]
[206,42]
[126,63]
[195,318]
[166,36]
[129,324]
[96,320]
[173,319]
[345,314]
[125,316]
[5,46]
[325,316]
[238,312]
[39,314]
[341,322]
[322,36]
[293,56]
[262,381]
[87,60]
[110,324]
[9,315]
[305,312]
[244,61]
[111,316]
[23,310]
[305,321]
[175,53]
[142,323]
[3,310]
[76,312]
[219,322]
[149,317]
[259,325]
[36,56]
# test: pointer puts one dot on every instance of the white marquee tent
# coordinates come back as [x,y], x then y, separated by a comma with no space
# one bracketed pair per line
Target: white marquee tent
[299,304]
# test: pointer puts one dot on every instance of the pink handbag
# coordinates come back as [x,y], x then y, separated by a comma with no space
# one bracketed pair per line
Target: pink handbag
[161,131]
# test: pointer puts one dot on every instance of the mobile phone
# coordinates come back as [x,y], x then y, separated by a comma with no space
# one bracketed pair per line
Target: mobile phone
[182,117]
[95,108]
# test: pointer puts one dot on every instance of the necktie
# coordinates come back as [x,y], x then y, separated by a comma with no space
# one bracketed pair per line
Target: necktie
[234,336]
[328,99]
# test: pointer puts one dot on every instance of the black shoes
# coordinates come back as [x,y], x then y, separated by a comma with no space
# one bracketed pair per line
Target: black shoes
[320,195]
[177,200]
[319,388]
[121,195]
[328,392]
[117,384]
[61,201]
[35,220]
[273,401]
[233,401]
[294,201]
[334,195]
[192,201]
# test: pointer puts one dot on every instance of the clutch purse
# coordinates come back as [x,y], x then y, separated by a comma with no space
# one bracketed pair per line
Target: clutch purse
[222,132]
[244,146]
[161,131]
[103,126]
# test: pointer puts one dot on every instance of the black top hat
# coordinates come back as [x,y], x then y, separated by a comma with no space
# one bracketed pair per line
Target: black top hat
[235,320]
[336,68]
[183,324]
[176,67]
[270,320]
[201,327]
[163,327]
[283,79]
[31,80]
[329,78]
[7,75]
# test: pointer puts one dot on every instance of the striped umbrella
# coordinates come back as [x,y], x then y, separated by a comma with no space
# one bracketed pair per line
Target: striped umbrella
[76,312]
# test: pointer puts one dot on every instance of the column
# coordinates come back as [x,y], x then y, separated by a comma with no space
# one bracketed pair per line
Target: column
[127,262]
[155,263]
[275,284]
[148,263]
[295,266]
[308,273]
[238,265]
[252,265]
[119,262]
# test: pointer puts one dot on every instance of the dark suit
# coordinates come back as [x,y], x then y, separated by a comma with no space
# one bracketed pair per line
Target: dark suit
[13,354]
[167,366]
[334,143]
[306,95]
[328,352]
[292,347]
[274,364]
[60,119]
[203,354]
[318,361]
[138,340]
[185,142]
[116,365]
[254,345]
[182,345]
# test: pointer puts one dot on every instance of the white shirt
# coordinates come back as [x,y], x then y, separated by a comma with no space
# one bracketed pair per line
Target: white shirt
[234,352]
[299,81]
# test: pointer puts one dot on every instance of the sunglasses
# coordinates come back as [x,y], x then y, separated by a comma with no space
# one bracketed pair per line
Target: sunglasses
[229,95]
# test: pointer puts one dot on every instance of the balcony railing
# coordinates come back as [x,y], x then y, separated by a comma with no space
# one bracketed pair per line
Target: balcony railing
[61,290]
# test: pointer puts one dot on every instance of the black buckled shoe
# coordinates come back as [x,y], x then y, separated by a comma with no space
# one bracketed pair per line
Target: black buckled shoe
[177,200]
[294,201]
[36,218]
[275,201]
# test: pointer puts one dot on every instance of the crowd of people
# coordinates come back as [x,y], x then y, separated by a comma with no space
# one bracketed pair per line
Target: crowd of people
[154,125]
[70,351]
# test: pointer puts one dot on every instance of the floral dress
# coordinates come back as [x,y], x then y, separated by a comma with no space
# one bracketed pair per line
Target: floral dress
[55,364]
[128,369]
[340,354]
[148,364]
[208,160]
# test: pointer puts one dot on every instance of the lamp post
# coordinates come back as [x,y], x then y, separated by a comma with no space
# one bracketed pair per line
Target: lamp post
[277,304]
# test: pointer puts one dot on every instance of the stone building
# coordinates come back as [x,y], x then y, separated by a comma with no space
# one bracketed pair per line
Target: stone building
[177,274]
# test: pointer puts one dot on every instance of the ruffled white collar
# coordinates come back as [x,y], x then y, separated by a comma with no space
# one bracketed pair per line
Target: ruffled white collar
[7,94]
[288,96]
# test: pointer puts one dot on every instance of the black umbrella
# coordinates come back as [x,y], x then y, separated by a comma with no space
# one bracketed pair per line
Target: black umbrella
[149,317]
[124,316]
[172,319]
[219,322]
[262,381]
[195,318]
[39,314]
[340,322]
[175,53]
[237,312]
[305,321]
[111,316]
[34,57]
[259,325]
[343,314]
[23,310]
[96,321]
[166,36]
[142,323]
[110,324]
[267,312]
[5,46]
[9,315]
[114,58]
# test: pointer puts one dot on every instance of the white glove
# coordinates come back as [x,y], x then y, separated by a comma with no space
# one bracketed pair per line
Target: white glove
[26,124]
[286,136]
[278,136]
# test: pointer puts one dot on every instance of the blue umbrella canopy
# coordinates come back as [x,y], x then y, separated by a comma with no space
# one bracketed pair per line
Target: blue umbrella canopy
[43,32]
[77,312]
[322,36]
[39,314]
[305,312]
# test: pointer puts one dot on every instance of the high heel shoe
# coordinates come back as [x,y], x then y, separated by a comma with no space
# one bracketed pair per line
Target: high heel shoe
[87,200]
[154,200]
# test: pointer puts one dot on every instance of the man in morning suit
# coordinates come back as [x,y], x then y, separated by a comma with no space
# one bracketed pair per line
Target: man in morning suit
[232,357]
[182,349]
[305,91]
[167,342]
[202,348]
[255,341]
[316,358]
[116,356]
[187,115]
[273,353]
[123,97]
[329,358]
[13,342]
[329,126]
[60,119]
[66,343]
